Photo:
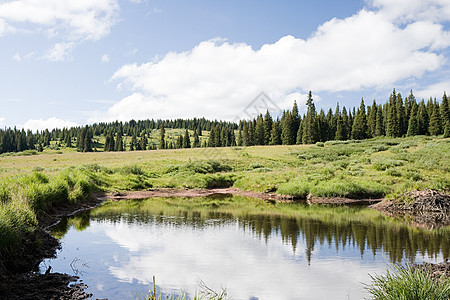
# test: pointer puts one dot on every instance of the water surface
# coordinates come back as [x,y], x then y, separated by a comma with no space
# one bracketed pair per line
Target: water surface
[253,249]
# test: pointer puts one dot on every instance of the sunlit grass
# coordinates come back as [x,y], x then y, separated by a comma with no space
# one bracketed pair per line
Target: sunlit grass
[408,283]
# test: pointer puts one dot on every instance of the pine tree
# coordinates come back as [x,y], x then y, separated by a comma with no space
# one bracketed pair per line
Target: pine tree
[286,127]
[359,129]
[143,142]
[372,119]
[422,118]
[435,121]
[119,142]
[401,116]
[179,144]
[345,124]
[162,137]
[275,133]
[186,140]
[392,127]
[259,130]
[310,128]
[339,129]
[413,124]
[267,128]
[196,143]
[295,123]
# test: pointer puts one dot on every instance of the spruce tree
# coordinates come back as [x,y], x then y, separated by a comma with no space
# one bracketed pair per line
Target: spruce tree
[422,118]
[267,128]
[295,123]
[339,129]
[186,140]
[143,142]
[401,116]
[359,129]
[392,127]
[413,124]
[345,124]
[162,137]
[275,133]
[196,143]
[259,131]
[435,121]
[310,128]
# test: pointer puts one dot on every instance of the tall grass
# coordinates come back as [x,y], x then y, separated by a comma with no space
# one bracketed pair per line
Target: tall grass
[204,293]
[409,284]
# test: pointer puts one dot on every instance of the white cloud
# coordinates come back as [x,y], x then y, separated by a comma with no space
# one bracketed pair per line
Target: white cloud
[435,90]
[131,52]
[71,21]
[1,121]
[217,79]
[51,123]
[60,52]
[412,10]
[105,58]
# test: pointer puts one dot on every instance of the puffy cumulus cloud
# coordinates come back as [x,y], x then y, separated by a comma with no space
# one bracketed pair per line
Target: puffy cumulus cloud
[41,124]
[219,79]
[60,52]
[68,20]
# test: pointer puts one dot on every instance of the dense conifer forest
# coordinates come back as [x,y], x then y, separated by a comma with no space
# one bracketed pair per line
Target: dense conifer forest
[397,117]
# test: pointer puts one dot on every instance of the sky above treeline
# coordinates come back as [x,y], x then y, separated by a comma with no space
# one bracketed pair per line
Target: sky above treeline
[71,62]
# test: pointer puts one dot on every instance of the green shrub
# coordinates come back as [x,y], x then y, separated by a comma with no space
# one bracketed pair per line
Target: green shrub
[393,172]
[408,283]
[299,189]
[382,165]
[349,189]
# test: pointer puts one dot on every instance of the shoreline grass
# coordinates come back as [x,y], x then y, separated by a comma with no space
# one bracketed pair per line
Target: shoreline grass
[406,282]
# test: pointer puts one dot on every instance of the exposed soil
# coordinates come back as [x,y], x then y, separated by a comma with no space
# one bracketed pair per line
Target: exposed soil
[166,192]
[436,270]
[426,209]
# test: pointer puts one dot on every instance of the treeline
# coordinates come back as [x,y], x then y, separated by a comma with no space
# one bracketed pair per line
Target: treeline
[399,116]
[396,118]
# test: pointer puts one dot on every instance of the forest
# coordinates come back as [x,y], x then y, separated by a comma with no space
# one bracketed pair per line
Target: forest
[399,116]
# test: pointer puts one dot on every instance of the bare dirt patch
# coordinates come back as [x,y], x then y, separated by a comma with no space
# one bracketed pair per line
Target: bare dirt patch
[426,209]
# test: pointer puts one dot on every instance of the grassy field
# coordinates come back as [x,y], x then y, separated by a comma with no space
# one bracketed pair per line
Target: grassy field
[32,182]
[372,168]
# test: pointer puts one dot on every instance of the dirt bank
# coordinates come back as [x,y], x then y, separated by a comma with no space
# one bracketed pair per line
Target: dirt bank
[271,197]
[19,273]
[426,209]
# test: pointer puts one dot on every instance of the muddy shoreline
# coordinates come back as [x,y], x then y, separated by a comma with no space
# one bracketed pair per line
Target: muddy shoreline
[23,280]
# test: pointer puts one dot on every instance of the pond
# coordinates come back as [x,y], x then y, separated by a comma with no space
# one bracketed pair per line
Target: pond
[254,249]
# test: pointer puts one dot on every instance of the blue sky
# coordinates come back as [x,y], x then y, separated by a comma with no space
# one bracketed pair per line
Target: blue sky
[68,62]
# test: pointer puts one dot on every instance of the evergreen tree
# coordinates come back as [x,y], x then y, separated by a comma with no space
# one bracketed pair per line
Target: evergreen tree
[196,140]
[119,142]
[345,124]
[300,134]
[359,129]
[422,118]
[372,119]
[275,134]
[179,144]
[413,124]
[392,127]
[143,142]
[295,123]
[239,141]
[286,127]
[186,140]
[40,148]
[340,127]
[162,138]
[267,128]
[401,116]
[310,128]
[435,121]
[259,130]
